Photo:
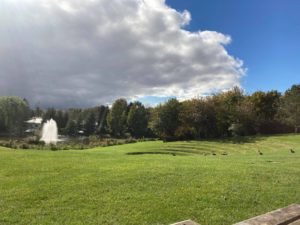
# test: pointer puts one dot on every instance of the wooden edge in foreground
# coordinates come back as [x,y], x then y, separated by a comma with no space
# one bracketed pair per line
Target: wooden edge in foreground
[289,215]
[186,222]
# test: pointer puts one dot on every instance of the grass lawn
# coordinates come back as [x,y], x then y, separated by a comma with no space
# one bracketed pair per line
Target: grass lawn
[150,183]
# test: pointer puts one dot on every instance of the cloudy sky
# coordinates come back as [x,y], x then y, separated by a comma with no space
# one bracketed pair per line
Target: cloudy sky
[70,53]
[265,34]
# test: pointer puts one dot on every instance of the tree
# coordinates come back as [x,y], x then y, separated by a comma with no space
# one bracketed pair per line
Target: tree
[265,104]
[59,118]
[137,120]
[65,119]
[14,111]
[165,119]
[290,107]
[117,118]
[90,124]
[226,106]
[50,114]
[38,112]
[101,118]
[244,123]
[197,117]
[71,128]
[265,108]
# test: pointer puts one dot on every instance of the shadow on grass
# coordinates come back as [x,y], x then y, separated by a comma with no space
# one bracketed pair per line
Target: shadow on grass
[190,151]
[155,153]
[175,152]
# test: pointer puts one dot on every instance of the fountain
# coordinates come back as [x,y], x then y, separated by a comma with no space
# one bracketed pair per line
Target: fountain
[49,132]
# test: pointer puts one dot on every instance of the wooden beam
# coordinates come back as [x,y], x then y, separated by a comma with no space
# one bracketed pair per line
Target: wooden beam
[286,216]
[186,222]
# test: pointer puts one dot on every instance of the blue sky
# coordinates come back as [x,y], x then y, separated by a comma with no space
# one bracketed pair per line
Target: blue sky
[265,35]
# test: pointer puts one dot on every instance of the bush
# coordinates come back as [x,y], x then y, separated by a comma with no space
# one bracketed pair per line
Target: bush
[32,140]
[169,139]
[93,138]
[185,133]
[24,146]
[86,141]
[236,129]
[53,147]
[127,135]
[10,144]
[130,140]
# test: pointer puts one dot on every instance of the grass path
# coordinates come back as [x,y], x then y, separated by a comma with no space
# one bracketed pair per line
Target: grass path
[108,186]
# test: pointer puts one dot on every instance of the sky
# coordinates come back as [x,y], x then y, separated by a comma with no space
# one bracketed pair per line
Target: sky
[82,53]
[265,35]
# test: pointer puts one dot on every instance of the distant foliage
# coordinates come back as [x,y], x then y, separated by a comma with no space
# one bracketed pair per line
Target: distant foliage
[230,113]
[165,119]
[290,107]
[14,111]
[71,128]
[90,124]
[137,120]
[117,118]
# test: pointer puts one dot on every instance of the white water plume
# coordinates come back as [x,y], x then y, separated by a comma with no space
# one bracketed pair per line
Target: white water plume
[50,132]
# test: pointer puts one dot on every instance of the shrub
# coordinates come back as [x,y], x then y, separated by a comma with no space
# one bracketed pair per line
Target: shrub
[53,147]
[130,140]
[185,133]
[24,146]
[32,140]
[237,129]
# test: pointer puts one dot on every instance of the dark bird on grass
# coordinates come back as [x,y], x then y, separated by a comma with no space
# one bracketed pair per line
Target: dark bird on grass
[214,153]
[259,152]
[292,151]
[173,154]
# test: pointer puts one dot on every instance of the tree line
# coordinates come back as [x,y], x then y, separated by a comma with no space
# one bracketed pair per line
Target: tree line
[230,113]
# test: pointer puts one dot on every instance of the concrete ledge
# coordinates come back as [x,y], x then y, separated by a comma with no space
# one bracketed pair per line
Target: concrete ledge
[286,216]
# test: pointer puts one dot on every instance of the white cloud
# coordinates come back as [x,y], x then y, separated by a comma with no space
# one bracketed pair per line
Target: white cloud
[83,53]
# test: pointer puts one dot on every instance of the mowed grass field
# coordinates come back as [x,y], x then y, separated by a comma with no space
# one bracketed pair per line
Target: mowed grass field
[150,183]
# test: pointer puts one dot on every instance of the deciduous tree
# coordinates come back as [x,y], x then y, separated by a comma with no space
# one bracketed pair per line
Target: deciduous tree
[117,117]
[137,120]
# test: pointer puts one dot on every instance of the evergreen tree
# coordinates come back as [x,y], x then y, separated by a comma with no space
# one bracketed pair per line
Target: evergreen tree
[101,119]
[50,114]
[38,112]
[90,124]
[71,128]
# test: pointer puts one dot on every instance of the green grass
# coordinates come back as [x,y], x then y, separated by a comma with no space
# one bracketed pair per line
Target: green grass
[156,183]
